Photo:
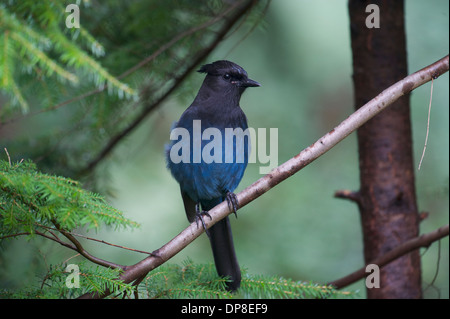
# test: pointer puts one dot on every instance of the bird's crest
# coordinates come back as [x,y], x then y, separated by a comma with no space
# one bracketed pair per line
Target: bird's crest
[221,67]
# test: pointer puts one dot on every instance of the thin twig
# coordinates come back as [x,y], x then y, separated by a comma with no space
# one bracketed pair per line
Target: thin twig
[111,244]
[179,37]
[54,238]
[255,24]
[436,273]
[428,126]
[9,158]
[83,252]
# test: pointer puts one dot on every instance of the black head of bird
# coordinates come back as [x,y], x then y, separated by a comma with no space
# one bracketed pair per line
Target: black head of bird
[227,77]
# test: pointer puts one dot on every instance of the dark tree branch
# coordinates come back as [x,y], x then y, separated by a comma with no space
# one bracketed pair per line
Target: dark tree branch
[76,245]
[53,237]
[79,248]
[111,244]
[241,7]
[285,170]
[424,240]
[348,194]
[138,66]
[191,31]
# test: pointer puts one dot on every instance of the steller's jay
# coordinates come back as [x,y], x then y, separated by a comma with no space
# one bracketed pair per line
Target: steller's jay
[204,182]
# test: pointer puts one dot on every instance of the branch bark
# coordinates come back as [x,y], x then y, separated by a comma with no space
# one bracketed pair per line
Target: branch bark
[287,169]
[79,248]
[424,240]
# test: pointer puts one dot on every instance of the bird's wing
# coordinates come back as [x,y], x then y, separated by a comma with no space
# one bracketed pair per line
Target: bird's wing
[189,207]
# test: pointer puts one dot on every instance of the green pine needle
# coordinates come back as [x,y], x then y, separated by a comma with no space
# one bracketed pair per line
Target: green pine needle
[201,281]
[31,200]
[35,37]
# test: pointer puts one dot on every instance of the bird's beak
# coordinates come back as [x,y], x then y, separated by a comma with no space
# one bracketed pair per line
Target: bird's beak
[250,83]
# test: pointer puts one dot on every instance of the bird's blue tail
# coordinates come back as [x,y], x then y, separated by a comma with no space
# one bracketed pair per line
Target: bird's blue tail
[225,259]
[221,240]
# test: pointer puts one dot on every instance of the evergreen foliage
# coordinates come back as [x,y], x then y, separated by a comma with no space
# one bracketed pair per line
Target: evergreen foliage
[201,281]
[56,283]
[33,203]
[172,281]
[31,200]
[34,42]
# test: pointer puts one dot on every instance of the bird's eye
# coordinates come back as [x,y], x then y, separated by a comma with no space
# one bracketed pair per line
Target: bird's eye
[227,76]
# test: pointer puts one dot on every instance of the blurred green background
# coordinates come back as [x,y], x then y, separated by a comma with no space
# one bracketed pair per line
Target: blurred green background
[301,55]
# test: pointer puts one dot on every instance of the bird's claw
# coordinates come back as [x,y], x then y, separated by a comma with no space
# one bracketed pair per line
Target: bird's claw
[199,216]
[232,202]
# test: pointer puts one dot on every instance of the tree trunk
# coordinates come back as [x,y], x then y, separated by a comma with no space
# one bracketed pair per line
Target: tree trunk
[387,200]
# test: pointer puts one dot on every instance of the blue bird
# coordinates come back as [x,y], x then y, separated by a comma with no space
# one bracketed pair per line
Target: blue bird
[208,162]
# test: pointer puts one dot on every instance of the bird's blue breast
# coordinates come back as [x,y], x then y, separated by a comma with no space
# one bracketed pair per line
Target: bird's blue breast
[216,171]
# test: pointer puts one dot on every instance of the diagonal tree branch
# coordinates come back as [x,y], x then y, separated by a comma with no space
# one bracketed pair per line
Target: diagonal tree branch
[424,240]
[79,248]
[287,169]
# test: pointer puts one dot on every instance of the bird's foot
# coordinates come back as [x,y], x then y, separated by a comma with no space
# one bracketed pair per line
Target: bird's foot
[199,216]
[232,202]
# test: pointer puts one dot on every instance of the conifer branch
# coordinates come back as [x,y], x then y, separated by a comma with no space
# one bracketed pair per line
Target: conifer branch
[7,70]
[30,201]
[33,44]
[39,56]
